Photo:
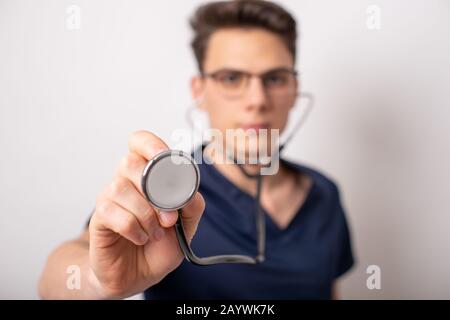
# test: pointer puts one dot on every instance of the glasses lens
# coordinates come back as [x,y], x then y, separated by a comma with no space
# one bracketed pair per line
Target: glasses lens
[230,83]
[280,83]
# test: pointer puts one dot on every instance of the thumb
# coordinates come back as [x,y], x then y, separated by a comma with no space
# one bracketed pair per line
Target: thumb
[190,216]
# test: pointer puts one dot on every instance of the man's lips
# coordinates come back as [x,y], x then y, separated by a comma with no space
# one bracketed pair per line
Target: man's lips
[255,126]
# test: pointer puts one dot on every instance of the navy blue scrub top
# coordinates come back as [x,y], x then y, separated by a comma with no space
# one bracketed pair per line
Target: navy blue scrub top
[302,260]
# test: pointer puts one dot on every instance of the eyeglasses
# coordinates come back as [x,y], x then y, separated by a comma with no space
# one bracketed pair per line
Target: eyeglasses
[233,84]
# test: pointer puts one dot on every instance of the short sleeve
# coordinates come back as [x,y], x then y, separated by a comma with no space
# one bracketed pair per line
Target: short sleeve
[343,253]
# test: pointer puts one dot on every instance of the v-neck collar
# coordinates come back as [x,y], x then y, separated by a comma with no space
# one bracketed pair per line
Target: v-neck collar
[270,223]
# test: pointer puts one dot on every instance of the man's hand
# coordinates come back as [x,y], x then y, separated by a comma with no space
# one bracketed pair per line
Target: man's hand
[133,245]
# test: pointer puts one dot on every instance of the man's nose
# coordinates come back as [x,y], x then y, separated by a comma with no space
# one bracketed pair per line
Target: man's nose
[256,93]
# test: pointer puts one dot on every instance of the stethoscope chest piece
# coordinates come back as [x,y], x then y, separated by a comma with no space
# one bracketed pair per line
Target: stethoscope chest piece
[170,180]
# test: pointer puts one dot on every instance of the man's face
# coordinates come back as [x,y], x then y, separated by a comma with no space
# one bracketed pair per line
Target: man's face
[234,100]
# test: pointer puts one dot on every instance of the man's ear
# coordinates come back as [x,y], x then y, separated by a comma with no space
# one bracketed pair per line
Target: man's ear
[197,91]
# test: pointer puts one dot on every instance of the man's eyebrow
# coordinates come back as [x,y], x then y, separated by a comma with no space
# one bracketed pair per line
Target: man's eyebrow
[278,69]
[230,69]
[226,69]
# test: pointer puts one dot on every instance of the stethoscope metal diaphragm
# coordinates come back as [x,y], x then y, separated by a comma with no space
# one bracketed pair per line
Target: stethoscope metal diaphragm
[170,180]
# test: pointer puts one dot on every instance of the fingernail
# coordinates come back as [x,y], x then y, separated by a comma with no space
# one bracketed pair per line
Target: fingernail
[168,216]
[158,233]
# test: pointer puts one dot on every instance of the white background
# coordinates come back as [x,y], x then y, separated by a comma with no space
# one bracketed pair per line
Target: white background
[69,100]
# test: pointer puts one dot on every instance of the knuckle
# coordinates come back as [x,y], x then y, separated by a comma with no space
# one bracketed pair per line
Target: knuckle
[127,225]
[118,186]
[104,208]
[131,162]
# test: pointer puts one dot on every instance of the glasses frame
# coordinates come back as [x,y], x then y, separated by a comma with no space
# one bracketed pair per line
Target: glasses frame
[214,74]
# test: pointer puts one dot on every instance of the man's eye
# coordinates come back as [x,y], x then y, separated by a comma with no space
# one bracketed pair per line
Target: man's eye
[274,80]
[230,78]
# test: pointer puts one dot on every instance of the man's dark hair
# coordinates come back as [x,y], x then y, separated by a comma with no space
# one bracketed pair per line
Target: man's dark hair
[213,16]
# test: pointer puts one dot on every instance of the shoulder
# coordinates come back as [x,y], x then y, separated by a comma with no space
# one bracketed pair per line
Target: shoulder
[322,181]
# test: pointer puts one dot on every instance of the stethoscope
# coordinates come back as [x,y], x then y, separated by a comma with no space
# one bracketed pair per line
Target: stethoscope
[171,179]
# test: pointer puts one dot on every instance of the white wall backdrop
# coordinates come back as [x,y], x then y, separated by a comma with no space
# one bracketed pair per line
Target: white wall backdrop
[69,99]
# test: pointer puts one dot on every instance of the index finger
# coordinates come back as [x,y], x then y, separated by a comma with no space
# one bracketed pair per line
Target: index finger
[146,144]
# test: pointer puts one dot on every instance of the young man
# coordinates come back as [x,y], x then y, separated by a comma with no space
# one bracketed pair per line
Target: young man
[246,57]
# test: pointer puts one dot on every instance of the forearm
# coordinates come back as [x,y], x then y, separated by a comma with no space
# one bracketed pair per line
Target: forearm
[67,274]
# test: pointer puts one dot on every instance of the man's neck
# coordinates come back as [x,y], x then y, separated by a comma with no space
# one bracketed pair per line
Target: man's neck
[234,174]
